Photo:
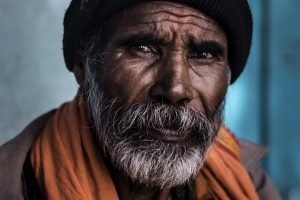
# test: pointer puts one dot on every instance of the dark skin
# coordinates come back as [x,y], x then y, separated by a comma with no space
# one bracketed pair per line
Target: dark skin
[162,52]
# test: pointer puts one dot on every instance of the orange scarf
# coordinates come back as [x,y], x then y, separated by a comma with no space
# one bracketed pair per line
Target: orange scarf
[67,164]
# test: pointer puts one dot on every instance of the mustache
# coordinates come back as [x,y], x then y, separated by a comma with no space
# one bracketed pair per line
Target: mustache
[154,116]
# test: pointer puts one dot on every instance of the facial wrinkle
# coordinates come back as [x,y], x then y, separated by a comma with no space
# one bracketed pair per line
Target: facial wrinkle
[151,22]
[183,23]
[157,17]
[169,34]
[194,17]
[171,8]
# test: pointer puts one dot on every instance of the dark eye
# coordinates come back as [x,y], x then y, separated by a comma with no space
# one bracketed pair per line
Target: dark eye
[200,58]
[205,53]
[142,50]
[201,55]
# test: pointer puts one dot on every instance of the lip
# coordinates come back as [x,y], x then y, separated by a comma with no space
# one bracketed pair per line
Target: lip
[168,135]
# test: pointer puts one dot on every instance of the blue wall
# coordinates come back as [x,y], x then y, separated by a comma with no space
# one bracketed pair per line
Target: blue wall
[243,100]
[285,93]
[268,113]
[33,78]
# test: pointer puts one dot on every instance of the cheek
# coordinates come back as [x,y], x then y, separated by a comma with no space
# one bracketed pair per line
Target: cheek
[212,87]
[127,80]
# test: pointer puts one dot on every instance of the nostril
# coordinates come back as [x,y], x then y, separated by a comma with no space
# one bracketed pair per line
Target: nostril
[161,99]
[164,100]
[182,102]
[173,90]
[167,95]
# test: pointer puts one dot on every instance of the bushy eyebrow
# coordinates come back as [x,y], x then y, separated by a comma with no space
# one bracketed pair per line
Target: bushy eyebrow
[140,38]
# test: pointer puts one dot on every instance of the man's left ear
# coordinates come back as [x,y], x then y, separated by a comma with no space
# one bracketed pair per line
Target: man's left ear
[79,73]
[229,76]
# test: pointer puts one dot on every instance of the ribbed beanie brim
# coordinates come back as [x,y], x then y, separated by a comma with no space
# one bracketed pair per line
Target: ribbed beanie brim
[234,16]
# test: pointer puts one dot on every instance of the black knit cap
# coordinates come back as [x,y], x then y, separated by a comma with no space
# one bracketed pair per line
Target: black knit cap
[234,16]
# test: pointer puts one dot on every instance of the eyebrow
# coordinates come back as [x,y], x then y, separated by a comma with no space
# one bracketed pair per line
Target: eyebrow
[140,38]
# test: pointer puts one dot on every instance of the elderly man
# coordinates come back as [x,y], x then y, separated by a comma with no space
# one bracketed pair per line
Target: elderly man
[147,120]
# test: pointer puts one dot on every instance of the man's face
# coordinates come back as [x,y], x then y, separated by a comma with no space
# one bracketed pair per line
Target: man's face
[165,52]
[157,100]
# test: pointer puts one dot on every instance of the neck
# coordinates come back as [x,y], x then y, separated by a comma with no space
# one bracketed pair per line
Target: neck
[129,190]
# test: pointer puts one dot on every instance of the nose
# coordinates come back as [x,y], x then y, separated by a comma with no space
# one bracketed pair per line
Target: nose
[172,84]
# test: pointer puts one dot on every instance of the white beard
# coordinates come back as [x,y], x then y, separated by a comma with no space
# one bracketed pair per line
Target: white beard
[147,160]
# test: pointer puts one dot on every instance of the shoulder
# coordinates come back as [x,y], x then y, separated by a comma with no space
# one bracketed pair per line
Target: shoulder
[251,155]
[13,155]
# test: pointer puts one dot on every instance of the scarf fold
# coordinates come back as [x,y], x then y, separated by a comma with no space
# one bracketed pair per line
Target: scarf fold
[223,174]
[67,164]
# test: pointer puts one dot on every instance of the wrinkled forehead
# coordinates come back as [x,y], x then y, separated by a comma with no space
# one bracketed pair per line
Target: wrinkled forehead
[149,14]
[166,7]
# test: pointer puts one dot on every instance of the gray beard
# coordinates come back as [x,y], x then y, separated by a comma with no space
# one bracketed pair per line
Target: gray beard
[124,137]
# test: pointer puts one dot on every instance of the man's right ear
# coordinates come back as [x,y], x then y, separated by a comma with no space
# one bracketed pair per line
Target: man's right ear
[79,73]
